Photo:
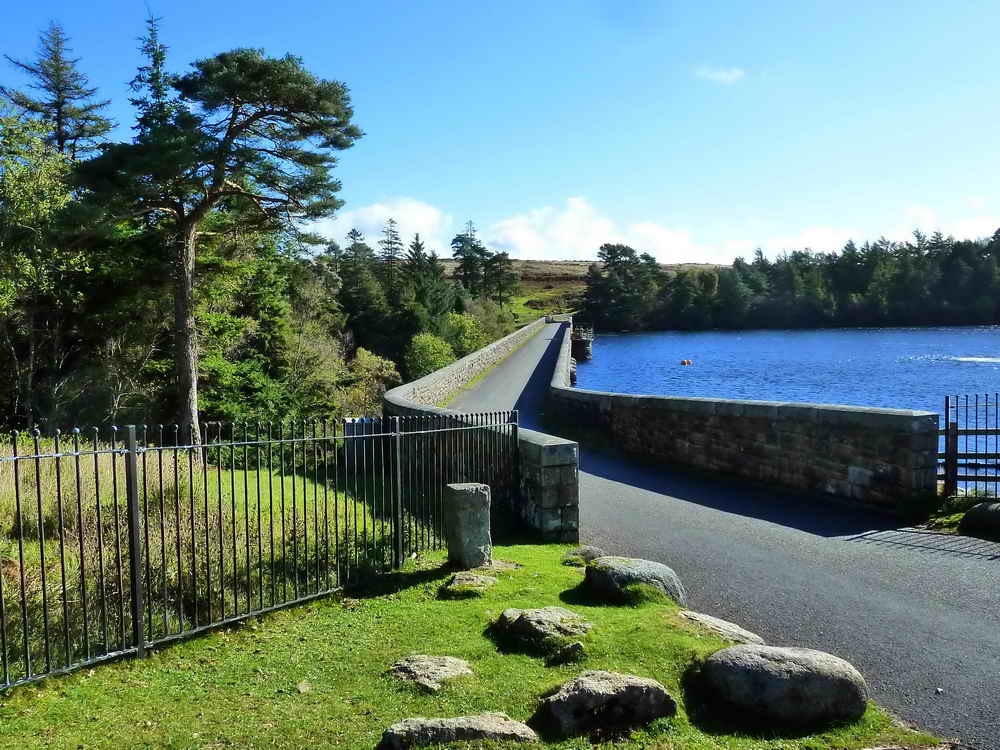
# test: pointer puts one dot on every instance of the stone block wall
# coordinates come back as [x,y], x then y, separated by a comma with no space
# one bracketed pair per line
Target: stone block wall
[881,457]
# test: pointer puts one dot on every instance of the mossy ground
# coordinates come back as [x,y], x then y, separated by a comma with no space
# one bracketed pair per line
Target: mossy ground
[315,675]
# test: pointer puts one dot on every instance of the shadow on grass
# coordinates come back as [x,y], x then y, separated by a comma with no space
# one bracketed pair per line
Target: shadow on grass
[632,595]
[716,719]
[381,584]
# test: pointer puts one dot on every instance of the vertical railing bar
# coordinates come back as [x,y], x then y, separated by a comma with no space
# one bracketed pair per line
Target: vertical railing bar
[326,503]
[295,523]
[147,579]
[67,657]
[246,515]
[175,452]
[260,540]
[100,545]
[281,478]
[270,505]
[119,569]
[41,548]
[318,448]
[397,515]
[79,529]
[192,441]
[208,529]
[19,513]
[386,492]
[336,504]
[232,517]
[221,521]
[355,497]
[134,540]
[163,533]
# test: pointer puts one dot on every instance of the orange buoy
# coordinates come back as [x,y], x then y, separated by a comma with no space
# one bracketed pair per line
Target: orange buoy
[686,362]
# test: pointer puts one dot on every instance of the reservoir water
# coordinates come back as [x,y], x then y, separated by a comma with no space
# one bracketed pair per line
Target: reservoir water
[901,368]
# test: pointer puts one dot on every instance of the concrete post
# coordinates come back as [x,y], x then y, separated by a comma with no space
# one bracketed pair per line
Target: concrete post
[467,524]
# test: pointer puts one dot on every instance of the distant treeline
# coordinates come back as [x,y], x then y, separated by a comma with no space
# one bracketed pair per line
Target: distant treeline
[934,280]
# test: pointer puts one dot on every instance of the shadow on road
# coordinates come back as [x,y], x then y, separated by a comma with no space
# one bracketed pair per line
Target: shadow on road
[815,515]
[932,541]
[531,403]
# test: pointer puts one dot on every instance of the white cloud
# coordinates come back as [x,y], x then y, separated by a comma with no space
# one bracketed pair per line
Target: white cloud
[927,220]
[725,76]
[577,229]
[412,215]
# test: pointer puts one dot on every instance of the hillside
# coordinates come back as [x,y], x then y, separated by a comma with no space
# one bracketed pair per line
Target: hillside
[551,286]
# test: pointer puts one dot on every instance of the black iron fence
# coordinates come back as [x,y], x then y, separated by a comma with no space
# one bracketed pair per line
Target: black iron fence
[970,459]
[117,539]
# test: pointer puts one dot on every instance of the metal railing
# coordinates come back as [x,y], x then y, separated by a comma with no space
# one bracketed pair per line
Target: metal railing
[970,459]
[118,539]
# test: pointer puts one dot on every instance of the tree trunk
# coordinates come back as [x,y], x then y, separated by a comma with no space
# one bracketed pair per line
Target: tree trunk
[185,334]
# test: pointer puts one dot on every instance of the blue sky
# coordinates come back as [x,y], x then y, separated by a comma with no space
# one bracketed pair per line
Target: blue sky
[697,131]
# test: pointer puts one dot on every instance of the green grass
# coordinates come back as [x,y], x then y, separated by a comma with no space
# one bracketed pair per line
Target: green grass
[539,298]
[315,676]
[193,524]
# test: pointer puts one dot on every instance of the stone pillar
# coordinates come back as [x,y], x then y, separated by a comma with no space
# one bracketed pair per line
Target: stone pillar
[550,485]
[467,524]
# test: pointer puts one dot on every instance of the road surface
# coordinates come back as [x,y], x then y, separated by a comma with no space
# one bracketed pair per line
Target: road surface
[916,612]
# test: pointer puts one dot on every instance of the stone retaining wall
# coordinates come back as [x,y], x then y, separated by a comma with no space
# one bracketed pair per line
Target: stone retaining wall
[549,496]
[882,457]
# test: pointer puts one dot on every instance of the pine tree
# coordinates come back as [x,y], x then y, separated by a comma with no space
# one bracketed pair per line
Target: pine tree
[66,101]
[152,82]
[390,250]
[251,134]
[471,255]
[415,264]
[499,279]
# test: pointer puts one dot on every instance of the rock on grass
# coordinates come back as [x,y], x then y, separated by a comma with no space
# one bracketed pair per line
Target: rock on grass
[783,687]
[465,585]
[429,671]
[599,701]
[580,556]
[726,630]
[418,732]
[541,631]
[627,580]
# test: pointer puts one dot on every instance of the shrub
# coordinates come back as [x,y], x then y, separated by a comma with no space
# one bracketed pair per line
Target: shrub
[464,333]
[427,353]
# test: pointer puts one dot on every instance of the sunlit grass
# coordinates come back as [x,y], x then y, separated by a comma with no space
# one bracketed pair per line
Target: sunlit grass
[316,675]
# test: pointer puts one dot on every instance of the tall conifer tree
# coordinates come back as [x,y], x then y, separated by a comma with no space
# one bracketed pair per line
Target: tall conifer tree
[66,100]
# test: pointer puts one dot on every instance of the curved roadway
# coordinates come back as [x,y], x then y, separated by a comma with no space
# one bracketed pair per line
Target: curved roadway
[918,613]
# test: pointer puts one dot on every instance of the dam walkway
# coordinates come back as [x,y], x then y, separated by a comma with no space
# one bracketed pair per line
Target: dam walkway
[917,612]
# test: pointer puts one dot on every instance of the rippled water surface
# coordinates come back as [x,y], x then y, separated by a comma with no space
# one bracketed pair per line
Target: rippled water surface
[903,368]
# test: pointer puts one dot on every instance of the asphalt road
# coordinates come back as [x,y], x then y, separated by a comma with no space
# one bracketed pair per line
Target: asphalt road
[916,612]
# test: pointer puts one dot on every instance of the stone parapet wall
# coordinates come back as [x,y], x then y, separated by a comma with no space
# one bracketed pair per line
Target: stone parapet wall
[882,457]
[548,501]
[442,385]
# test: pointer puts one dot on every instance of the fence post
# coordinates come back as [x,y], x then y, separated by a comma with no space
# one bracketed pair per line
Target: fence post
[134,540]
[397,521]
[951,460]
